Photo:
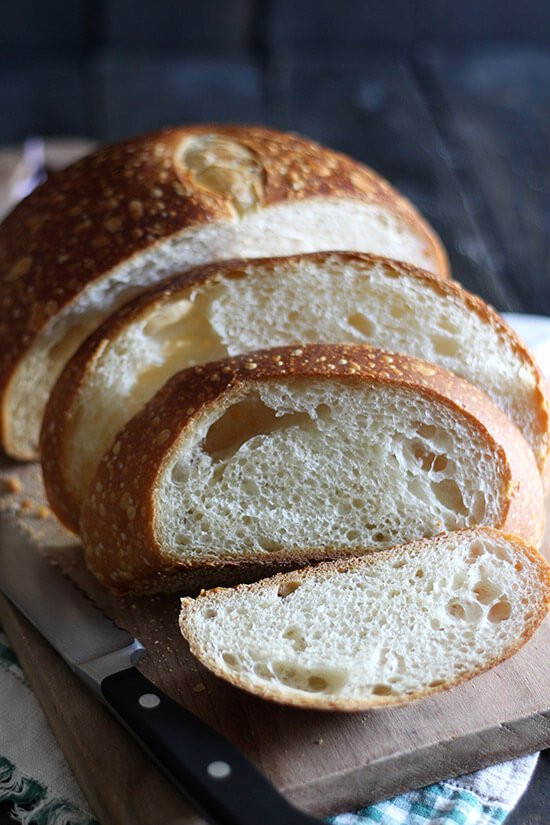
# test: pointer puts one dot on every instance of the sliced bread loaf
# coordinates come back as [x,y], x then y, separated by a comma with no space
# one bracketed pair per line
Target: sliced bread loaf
[384,629]
[132,214]
[292,455]
[239,306]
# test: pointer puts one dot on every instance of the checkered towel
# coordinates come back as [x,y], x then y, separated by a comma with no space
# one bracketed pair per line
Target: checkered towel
[37,781]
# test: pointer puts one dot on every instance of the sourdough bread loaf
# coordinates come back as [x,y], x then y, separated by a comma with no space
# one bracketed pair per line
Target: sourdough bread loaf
[238,306]
[291,455]
[132,214]
[384,629]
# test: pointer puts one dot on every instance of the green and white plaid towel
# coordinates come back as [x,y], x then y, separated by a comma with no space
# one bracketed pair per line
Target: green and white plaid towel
[36,780]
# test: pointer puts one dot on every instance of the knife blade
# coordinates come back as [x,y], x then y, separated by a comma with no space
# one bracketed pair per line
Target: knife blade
[216,778]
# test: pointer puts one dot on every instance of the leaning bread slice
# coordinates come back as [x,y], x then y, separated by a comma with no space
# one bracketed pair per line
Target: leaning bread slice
[239,306]
[293,455]
[133,214]
[384,629]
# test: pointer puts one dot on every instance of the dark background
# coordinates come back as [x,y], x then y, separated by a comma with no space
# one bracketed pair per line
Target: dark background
[449,100]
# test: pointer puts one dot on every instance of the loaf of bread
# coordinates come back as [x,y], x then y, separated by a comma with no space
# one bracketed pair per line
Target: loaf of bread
[293,455]
[384,629]
[130,215]
[239,306]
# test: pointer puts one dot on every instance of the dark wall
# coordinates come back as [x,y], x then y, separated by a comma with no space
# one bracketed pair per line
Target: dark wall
[108,68]
[448,99]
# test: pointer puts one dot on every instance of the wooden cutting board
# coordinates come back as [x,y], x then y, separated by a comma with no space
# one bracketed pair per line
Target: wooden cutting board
[323,762]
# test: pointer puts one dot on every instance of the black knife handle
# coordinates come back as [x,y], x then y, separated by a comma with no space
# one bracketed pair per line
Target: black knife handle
[224,786]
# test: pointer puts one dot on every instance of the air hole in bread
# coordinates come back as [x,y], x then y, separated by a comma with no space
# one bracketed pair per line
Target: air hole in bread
[398,309]
[210,613]
[440,463]
[479,507]
[231,660]
[419,573]
[456,610]
[323,411]
[427,458]
[425,430]
[287,587]
[243,421]
[476,551]
[269,545]
[382,690]
[436,683]
[448,493]
[317,683]
[310,681]
[447,325]
[180,472]
[444,345]
[485,591]
[500,552]
[294,635]
[262,671]
[361,323]
[500,611]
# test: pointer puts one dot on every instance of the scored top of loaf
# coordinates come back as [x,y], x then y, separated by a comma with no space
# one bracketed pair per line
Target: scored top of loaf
[128,474]
[124,198]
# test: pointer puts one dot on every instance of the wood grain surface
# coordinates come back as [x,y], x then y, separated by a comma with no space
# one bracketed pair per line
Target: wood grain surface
[323,762]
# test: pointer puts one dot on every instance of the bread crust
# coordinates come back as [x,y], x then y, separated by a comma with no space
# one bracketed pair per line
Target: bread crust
[118,521]
[325,570]
[59,416]
[99,213]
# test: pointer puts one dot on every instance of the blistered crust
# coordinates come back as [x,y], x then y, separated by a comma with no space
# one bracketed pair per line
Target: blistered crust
[118,518]
[122,199]
[64,397]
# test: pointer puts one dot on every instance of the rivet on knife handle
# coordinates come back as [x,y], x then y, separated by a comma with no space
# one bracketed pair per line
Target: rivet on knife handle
[224,786]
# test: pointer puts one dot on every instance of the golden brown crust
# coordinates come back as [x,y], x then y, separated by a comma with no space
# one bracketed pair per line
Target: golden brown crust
[122,199]
[118,517]
[61,406]
[58,417]
[325,570]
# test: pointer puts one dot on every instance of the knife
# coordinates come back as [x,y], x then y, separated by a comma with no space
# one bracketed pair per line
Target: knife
[215,777]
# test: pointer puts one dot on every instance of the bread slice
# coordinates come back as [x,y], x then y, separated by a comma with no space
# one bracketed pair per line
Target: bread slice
[238,306]
[384,629]
[135,213]
[293,455]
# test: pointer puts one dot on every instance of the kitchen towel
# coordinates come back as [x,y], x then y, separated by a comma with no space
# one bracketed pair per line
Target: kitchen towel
[36,780]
